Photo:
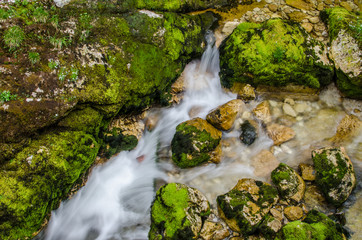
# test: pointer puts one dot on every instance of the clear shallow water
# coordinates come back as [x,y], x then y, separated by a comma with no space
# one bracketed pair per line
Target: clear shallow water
[116,200]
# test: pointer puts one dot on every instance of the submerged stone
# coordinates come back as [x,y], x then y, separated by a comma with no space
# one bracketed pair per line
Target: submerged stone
[276,53]
[195,142]
[245,206]
[248,133]
[178,212]
[335,175]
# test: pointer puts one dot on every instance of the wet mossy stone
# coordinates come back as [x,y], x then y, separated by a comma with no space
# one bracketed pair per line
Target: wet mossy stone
[345,34]
[275,53]
[245,206]
[315,226]
[289,184]
[248,133]
[335,175]
[38,177]
[194,142]
[178,212]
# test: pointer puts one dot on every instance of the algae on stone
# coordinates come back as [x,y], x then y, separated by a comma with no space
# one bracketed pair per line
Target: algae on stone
[275,53]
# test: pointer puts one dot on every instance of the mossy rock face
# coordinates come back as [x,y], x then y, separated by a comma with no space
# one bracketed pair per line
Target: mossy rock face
[315,226]
[335,175]
[290,185]
[275,53]
[194,143]
[345,34]
[245,206]
[38,177]
[178,212]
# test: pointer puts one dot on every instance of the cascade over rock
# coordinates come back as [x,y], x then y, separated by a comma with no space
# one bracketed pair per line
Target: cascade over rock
[276,53]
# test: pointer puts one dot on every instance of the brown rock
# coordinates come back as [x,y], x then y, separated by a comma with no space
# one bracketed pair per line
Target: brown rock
[297,16]
[264,162]
[314,19]
[224,116]
[299,4]
[293,213]
[273,7]
[212,230]
[245,91]
[130,125]
[279,133]
[349,127]
[262,112]
[307,172]
[314,199]
[277,214]
[346,5]
[320,6]
[215,156]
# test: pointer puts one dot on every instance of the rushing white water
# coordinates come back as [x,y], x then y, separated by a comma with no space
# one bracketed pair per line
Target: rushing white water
[116,200]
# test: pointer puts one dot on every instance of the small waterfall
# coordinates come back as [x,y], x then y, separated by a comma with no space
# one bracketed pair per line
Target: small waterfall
[115,202]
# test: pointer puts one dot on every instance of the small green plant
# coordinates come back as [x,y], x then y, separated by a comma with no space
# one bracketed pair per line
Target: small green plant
[85,25]
[6,96]
[357,29]
[33,57]
[62,74]
[13,37]
[4,14]
[60,42]
[74,74]
[53,64]
[279,54]
[40,15]
[54,20]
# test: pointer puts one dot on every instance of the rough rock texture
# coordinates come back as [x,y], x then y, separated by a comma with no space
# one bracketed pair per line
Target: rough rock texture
[245,206]
[275,53]
[223,117]
[349,127]
[344,29]
[307,172]
[262,112]
[270,226]
[38,177]
[194,143]
[214,229]
[245,91]
[293,213]
[178,212]
[290,185]
[334,174]
[279,133]
[315,226]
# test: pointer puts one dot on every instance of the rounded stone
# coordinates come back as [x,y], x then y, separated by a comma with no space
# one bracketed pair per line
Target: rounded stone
[293,213]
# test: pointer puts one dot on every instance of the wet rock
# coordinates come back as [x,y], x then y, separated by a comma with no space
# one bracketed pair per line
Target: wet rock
[224,116]
[293,213]
[229,27]
[273,7]
[263,163]
[334,173]
[314,199]
[276,214]
[301,107]
[290,185]
[270,226]
[177,212]
[264,51]
[262,112]
[345,49]
[279,133]
[307,172]
[248,133]
[245,206]
[288,110]
[300,4]
[214,229]
[245,91]
[349,127]
[307,26]
[194,142]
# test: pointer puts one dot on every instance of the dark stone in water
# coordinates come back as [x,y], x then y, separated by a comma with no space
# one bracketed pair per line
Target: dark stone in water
[248,133]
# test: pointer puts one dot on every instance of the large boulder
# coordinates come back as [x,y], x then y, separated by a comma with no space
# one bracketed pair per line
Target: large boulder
[245,206]
[290,185]
[344,29]
[276,53]
[40,176]
[178,212]
[195,142]
[223,117]
[335,175]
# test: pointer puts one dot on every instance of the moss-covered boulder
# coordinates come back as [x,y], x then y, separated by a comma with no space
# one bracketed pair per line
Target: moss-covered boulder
[223,117]
[178,212]
[195,142]
[290,185]
[345,34]
[38,177]
[245,206]
[335,175]
[315,226]
[275,53]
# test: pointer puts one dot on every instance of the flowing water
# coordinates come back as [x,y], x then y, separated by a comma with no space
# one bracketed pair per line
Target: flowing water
[115,202]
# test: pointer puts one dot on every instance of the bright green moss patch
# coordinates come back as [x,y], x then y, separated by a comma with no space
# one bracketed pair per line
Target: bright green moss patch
[274,53]
[38,177]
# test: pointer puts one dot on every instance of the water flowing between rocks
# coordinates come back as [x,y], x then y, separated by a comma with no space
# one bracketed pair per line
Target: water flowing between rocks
[115,202]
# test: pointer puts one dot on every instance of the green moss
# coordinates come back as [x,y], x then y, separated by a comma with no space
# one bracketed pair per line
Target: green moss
[168,211]
[286,180]
[38,177]
[274,53]
[186,140]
